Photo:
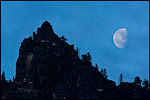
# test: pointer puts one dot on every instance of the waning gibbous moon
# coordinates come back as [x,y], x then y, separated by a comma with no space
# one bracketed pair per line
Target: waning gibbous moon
[120,38]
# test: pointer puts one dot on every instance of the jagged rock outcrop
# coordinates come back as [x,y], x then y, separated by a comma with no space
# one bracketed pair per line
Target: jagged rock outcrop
[45,33]
[49,68]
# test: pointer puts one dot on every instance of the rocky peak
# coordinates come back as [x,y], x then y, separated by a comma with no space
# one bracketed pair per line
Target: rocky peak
[47,27]
[45,32]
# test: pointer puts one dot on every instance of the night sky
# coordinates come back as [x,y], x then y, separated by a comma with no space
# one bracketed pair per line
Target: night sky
[89,26]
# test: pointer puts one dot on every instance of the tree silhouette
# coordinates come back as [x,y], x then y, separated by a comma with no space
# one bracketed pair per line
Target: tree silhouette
[13,78]
[77,49]
[10,81]
[86,58]
[96,66]
[103,71]
[137,80]
[30,37]
[145,83]
[121,78]
[4,83]
[63,38]
[3,77]
[89,58]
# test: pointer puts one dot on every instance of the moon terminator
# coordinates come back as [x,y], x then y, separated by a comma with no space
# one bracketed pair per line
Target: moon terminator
[120,38]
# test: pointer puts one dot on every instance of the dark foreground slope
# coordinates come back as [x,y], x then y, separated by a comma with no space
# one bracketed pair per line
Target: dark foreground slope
[49,68]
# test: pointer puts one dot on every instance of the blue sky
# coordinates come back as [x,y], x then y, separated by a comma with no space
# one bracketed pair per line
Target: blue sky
[89,26]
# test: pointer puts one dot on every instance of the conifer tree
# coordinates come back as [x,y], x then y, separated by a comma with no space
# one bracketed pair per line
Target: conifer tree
[89,58]
[103,71]
[10,81]
[96,66]
[63,38]
[77,49]
[4,83]
[145,83]
[137,80]
[86,58]
[3,77]
[13,78]
[121,78]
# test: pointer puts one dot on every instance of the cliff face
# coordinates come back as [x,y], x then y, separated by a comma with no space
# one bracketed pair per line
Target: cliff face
[48,67]
[48,63]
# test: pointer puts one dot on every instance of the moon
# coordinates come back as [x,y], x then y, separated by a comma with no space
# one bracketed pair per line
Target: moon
[120,38]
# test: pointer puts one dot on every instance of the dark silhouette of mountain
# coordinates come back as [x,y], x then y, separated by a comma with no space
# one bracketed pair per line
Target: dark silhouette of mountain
[50,68]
